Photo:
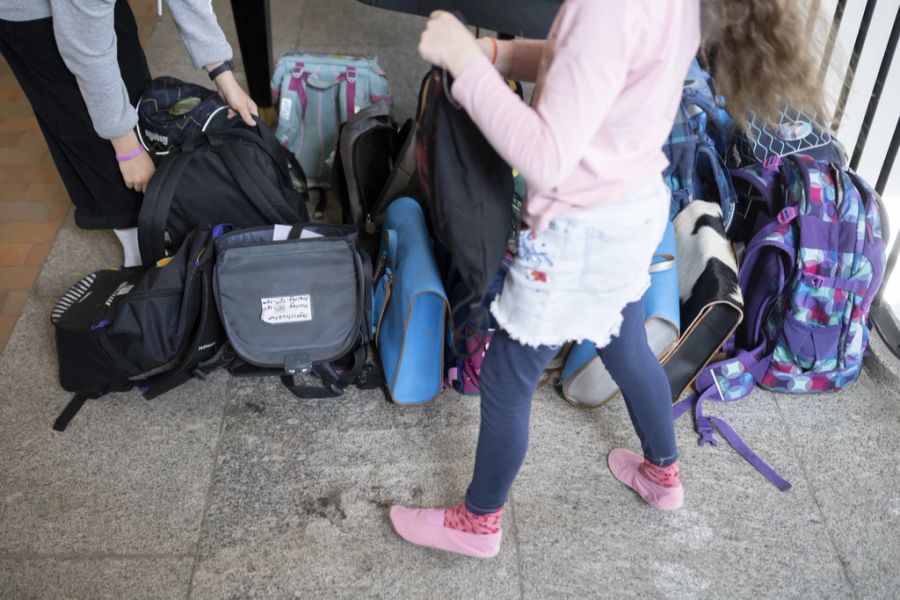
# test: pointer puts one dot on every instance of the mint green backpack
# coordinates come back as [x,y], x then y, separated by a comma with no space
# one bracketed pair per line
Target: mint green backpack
[316,93]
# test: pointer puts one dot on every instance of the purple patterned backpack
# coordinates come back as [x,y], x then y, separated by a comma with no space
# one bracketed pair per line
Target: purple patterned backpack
[808,276]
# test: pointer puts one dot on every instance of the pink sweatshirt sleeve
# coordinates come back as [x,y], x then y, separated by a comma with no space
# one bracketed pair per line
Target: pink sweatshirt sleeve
[526,58]
[587,73]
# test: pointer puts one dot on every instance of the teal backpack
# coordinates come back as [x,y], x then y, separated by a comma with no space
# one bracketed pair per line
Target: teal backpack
[316,93]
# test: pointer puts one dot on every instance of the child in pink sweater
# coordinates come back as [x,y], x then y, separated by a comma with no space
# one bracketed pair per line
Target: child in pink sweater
[609,79]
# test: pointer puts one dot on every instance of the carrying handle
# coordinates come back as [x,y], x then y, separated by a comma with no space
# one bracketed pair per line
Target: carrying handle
[333,384]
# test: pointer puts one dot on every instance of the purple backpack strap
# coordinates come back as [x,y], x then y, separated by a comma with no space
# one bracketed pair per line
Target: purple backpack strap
[763,178]
[705,425]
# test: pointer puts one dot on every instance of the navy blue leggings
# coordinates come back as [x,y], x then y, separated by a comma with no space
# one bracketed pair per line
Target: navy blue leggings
[509,377]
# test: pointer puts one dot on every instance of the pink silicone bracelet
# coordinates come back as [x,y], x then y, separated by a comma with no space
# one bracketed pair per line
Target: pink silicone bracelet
[129,155]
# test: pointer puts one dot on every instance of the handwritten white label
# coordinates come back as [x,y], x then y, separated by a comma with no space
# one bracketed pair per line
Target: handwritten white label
[284,110]
[286,309]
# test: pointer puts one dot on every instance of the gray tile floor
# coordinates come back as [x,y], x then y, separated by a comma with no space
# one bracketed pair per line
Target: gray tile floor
[234,489]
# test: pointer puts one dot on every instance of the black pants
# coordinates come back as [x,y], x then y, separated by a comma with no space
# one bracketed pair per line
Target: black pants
[86,162]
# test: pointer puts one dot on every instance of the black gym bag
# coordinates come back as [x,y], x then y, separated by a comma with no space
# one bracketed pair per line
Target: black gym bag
[148,328]
[238,175]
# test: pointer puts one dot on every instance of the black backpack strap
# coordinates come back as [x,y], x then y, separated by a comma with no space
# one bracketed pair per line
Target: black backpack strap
[274,213]
[267,141]
[188,365]
[69,412]
[155,209]
[333,385]
[311,392]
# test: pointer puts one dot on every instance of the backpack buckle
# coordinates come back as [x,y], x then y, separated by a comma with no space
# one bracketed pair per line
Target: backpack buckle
[772,163]
[787,215]
[813,279]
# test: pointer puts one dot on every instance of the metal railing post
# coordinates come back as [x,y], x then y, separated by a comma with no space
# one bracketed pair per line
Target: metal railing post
[858,48]
[875,98]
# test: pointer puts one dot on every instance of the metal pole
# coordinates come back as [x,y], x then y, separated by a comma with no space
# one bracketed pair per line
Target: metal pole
[882,315]
[879,187]
[877,91]
[889,160]
[832,38]
[858,47]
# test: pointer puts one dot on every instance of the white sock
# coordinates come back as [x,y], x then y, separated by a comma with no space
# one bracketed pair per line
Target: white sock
[129,240]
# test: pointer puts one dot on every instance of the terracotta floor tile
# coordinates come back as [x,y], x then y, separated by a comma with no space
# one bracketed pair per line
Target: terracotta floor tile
[15,109]
[46,192]
[60,210]
[28,233]
[12,192]
[38,255]
[22,123]
[32,138]
[10,139]
[14,303]
[14,255]
[23,156]
[18,278]
[41,173]
[8,91]
[6,327]
[31,212]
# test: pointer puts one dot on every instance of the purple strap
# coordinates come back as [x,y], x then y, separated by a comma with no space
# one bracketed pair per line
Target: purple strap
[351,92]
[298,86]
[840,283]
[738,444]
[706,426]
[683,406]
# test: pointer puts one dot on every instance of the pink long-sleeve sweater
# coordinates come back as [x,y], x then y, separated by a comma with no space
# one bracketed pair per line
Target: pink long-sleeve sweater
[609,80]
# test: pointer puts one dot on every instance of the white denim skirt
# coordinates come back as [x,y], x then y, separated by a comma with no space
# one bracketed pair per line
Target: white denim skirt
[571,281]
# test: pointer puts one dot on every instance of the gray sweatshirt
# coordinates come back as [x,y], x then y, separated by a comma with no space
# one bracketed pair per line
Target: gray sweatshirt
[86,38]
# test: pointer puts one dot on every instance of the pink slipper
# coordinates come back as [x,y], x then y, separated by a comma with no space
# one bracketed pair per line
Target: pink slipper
[624,466]
[425,527]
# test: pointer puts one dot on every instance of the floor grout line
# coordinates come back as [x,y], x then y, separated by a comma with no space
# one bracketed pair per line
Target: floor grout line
[514,530]
[212,481]
[90,555]
[812,493]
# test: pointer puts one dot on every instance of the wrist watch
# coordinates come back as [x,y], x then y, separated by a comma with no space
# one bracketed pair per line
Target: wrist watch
[225,66]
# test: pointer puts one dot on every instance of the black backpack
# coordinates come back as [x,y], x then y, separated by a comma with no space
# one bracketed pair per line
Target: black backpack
[374,164]
[469,191]
[238,175]
[148,328]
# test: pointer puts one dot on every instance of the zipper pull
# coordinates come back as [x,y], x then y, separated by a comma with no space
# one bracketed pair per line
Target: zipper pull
[159,12]
[370,226]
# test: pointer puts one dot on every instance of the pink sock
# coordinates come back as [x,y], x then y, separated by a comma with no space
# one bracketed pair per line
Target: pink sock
[461,519]
[668,477]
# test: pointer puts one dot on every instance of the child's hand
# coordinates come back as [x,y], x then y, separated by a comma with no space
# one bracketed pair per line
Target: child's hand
[448,44]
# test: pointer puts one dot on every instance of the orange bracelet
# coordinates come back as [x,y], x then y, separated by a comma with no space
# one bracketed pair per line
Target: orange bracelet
[495,50]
